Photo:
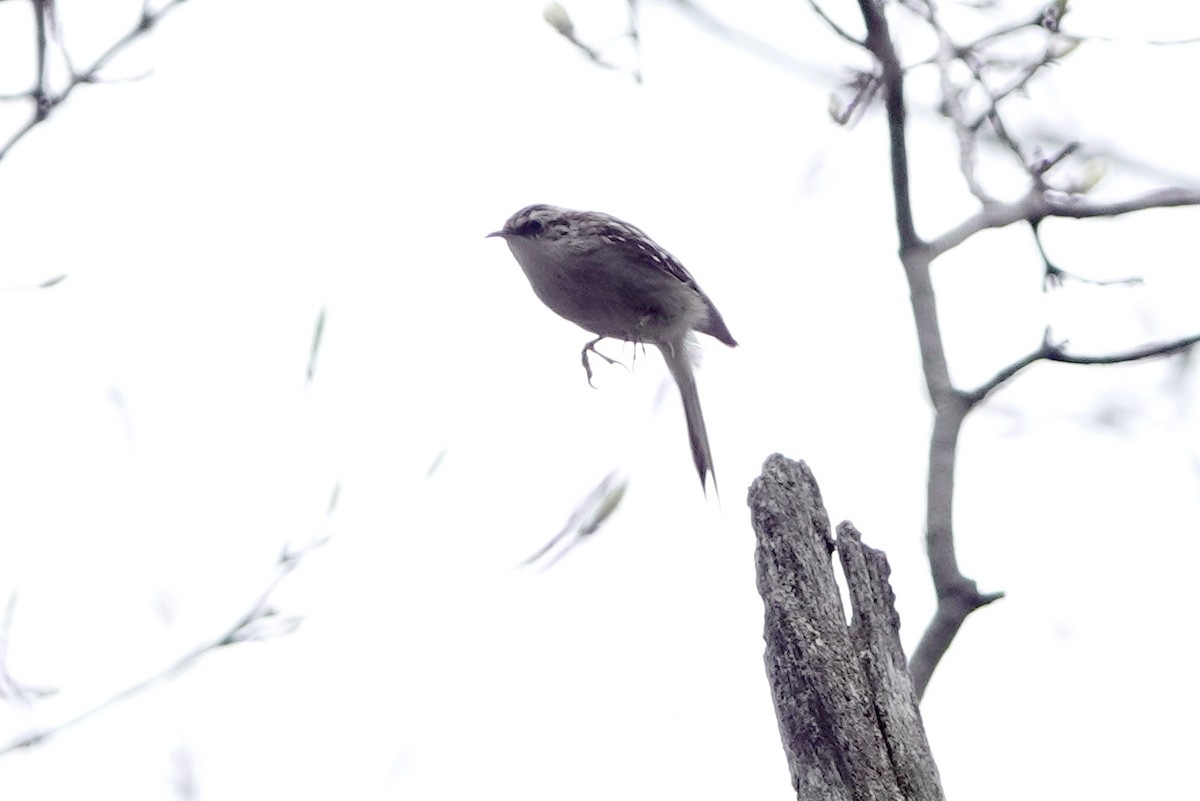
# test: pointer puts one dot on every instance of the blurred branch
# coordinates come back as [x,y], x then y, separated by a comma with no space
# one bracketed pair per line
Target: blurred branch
[585,519]
[44,101]
[557,17]
[1087,37]
[10,688]
[318,331]
[635,36]
[261,621]
[750,43]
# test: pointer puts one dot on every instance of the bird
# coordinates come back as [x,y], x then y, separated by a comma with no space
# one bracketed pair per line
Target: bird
[612,280]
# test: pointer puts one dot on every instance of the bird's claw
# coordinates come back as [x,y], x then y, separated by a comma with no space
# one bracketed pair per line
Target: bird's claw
[591,346]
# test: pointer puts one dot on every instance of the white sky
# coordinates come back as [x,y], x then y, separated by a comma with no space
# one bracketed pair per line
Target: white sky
[159,444]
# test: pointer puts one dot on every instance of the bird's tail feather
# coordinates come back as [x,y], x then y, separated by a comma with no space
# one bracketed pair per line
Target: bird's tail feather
[679,362]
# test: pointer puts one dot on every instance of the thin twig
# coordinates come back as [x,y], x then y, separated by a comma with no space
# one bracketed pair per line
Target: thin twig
[1056,276]
[1153,42]
[833,26]
[635,36]
[252,625]
[992,113]
[1055,352]
[951,95]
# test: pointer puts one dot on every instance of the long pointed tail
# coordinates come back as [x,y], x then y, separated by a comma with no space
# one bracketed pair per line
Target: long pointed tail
[680,365]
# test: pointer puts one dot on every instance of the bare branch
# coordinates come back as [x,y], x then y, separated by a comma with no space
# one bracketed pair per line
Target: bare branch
[1136,355]
[1038,205]
[1056,205]
[41,9]
[44,102]
[954,606]
[950,408]
[879,42]
[1052,352]
[958,596]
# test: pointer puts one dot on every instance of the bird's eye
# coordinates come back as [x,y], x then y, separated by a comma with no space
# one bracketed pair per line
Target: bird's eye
[531,227]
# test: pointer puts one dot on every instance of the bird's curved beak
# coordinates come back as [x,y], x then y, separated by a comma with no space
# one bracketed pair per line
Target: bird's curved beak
[500,234]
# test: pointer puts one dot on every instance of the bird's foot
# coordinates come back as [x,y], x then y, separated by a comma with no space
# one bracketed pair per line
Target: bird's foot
[591,347]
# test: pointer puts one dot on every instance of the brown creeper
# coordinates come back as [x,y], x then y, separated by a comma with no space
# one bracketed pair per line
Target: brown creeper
[608,277]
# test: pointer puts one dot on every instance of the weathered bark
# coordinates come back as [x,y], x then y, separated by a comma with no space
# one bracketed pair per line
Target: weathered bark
[845,701]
